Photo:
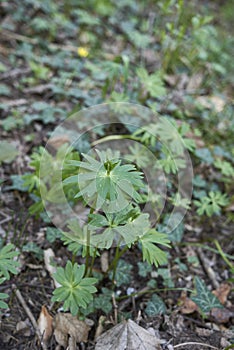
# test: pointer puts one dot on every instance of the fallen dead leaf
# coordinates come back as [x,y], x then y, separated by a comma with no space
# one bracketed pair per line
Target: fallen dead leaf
[211,102]
[222,292]
[203,332]
[99,329]
[221,315]
[127,335]
[224,343]
[195,81]
[48,257]
[57,141]
[187,306]
[24,327]
[45,324]
[67,326]
[171,80]
[104,261]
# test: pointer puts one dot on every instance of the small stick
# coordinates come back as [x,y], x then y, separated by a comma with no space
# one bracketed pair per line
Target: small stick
[195,343]
[210,272]
[30,315]
[115,309]
[136,296]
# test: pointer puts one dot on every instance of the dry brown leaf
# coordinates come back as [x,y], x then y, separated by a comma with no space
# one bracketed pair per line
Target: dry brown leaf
[187,305]
[211,102]
[104,261]
[48,257]
[195,81]
[171,80]
[222,292]
[203,332]
[24,327]
[99,329]
[127,335]
[45,324]
[67,326]
[57,141]
[221,315]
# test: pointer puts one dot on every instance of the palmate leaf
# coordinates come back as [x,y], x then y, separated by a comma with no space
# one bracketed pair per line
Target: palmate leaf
[151,252]
[76,238]
[76,290]
[126,229]
[107,181]
[204,299]
[153,83]
[3,305]
[7,264]
[211,204]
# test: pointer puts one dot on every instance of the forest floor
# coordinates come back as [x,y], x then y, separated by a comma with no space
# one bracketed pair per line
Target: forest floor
[57,58]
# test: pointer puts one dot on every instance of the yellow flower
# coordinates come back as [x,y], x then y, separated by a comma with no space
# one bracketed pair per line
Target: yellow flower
[82,51]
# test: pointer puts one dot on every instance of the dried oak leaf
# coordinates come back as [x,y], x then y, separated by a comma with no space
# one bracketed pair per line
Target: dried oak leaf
[222,292]
[187,306]
[67,326]
[222,315]
[127,335]
[45,324]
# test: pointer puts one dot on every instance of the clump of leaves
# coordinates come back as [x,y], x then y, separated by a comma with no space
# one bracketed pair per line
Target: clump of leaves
[211,204]
[114,190]
[7,265]
[76,290]
[45,181]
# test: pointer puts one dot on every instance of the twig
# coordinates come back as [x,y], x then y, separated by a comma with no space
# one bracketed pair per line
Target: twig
[15,103]
[12,74]
[39,89]
[30,315]
[135,296]
[195,343]
[210,272]
[115,309]
[34,41]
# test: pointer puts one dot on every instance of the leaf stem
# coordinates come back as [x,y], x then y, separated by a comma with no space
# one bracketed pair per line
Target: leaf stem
[155,290]
[92,262]
[114,264]
[87,253]
[88,247]
[114,137]
[221,252]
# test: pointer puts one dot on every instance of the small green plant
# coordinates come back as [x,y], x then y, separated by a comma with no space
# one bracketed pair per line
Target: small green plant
[211,204]
[46,174]
[7,265]
[113,191]
[76,290]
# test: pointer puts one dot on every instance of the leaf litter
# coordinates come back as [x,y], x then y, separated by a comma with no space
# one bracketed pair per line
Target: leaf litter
[127,335]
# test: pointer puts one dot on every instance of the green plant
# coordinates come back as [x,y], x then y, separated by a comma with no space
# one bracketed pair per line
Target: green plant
[211,204]
[45,182]
[7,265]
[113,192]
[76,290]
[152,83]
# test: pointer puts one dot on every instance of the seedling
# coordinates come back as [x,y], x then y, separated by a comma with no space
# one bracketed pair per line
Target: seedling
[113,191]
